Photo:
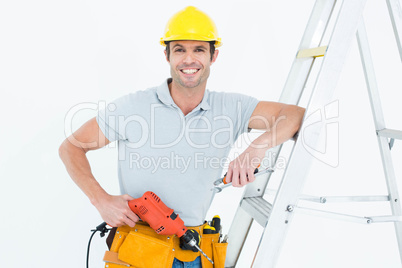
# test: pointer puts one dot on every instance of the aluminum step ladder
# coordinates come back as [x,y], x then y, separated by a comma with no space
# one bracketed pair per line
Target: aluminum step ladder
[276,217]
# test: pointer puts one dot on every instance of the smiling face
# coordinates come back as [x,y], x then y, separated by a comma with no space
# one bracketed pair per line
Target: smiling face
[190,63]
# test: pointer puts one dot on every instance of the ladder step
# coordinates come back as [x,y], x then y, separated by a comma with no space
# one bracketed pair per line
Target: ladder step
[258,208]
[390,133]
[312,52]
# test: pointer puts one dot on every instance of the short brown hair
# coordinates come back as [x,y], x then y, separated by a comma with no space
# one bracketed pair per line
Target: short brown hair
[211,49]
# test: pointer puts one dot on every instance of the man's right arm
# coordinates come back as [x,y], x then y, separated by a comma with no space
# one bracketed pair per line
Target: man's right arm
[113,209]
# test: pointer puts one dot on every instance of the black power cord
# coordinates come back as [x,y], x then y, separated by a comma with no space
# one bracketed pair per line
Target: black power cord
[103,230]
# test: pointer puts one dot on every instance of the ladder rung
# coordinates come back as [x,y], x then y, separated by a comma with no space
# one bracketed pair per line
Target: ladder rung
[390,133]
[312,52]
[258,208]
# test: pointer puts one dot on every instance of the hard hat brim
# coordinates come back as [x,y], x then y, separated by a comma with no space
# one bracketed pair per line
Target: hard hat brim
[218,42]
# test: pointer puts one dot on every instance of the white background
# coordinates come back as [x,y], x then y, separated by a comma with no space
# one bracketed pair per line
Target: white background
[55,55]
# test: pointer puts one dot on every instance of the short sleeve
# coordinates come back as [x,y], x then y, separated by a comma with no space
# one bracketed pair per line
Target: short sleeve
[240,108]
[108,119]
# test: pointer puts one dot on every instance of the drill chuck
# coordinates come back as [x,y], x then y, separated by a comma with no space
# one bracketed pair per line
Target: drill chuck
[191,240]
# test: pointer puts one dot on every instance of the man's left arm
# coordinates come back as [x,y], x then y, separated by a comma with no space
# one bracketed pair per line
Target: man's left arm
[280,123]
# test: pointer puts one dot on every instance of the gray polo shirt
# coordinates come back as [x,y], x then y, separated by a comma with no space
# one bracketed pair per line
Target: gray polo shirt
[177,157]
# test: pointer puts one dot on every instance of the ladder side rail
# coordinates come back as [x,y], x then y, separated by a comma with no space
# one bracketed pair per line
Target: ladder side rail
[395,13]
[298,76]
[390,178]
[312,37]
[299,73]
[291,93]
[257,188]
[242,220]
[296,171]
[237,234]
[370,77]
[385,151]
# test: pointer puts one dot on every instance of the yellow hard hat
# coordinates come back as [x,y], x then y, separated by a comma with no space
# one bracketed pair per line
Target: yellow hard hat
[191,24]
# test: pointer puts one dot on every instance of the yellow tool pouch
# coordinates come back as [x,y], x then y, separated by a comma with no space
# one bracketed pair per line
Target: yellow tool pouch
[142,247]
[215,250]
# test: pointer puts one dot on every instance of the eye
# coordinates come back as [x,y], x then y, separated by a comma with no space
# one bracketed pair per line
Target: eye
[179,50]
[200,50]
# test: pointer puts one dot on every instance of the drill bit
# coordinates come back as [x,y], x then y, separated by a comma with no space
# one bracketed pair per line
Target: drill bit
[205,255]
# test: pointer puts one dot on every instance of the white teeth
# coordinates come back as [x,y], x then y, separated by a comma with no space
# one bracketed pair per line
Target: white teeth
[189,71]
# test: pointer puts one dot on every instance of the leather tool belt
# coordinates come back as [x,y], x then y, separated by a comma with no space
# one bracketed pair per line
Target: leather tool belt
[142,247]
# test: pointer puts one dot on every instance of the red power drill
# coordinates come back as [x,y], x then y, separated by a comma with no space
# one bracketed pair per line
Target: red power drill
[163,220]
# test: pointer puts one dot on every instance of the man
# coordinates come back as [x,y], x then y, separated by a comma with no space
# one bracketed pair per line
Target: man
[173,137]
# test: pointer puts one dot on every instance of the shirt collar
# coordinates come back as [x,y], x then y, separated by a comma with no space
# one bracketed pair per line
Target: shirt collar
[164,96]
[163,93]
